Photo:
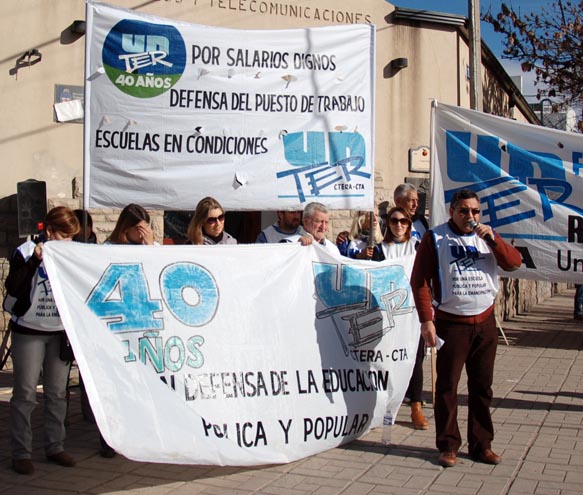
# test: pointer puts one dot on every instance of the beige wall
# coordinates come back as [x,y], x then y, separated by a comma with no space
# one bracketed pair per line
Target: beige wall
[404,100]
[33,146]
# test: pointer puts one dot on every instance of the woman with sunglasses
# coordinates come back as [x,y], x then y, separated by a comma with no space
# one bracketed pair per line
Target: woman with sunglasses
[399,242]
[132,227]
[208,224]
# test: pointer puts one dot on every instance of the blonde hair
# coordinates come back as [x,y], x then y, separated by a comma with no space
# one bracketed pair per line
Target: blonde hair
[203,208]
[358,222]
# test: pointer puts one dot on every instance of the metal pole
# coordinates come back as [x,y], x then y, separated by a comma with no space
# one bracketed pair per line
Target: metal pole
[475,55]
[371,232]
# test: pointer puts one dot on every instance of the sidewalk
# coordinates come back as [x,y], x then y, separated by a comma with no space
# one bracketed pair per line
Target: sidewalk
[537,411]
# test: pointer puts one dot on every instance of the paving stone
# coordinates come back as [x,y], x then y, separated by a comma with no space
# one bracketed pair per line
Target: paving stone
[537,414]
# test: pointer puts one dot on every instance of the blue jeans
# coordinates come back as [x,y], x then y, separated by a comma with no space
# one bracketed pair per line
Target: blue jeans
[32,354]
[578,299]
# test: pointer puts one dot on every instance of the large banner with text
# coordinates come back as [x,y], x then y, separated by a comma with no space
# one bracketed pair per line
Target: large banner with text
[234,355]
[529,180]
[261,120]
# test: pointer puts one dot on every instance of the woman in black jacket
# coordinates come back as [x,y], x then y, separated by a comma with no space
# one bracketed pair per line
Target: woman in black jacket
[37,331]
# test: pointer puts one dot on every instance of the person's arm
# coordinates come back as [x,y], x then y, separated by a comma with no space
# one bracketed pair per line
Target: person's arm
[378,254]
[146,233]
[261,239]
[342,242]
[507,256]
[429,333]
[423,279]
[362,254]
[22,271]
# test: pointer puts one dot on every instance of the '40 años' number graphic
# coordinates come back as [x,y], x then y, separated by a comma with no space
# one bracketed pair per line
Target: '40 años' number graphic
[122,297]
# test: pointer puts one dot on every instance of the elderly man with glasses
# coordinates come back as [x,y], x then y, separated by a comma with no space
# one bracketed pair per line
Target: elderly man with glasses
[316,220]
[455,282]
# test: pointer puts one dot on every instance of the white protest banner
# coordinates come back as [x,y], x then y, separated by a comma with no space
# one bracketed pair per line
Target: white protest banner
[529,182]
[260,120]
[223,354]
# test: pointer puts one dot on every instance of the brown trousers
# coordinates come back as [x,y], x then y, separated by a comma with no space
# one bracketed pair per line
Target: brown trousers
[473,345]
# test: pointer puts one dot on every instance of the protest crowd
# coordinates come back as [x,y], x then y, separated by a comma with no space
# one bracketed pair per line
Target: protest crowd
[361,304]
[460,324]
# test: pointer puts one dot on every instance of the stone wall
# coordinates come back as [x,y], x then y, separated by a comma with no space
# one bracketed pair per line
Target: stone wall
[518,296]
[341,220]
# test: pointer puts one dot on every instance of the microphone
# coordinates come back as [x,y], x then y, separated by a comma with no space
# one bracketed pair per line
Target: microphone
[488,238]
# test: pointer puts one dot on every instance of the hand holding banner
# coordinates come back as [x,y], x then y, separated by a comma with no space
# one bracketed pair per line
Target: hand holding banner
[187,359]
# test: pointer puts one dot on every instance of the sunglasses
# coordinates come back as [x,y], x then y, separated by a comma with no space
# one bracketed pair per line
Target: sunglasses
[213,220]
[402,221]
[465,211]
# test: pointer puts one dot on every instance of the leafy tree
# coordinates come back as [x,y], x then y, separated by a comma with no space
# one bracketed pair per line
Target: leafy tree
[550,43]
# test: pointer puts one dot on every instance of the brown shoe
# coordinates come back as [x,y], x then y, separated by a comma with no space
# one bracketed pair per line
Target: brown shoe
[419,421]
[447,459]
[487,457]
[62,459]
[23,466]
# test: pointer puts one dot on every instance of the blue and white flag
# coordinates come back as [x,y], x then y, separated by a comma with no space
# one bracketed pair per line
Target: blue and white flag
[529,180]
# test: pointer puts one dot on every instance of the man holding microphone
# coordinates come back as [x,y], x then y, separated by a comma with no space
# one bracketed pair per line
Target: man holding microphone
[455,282]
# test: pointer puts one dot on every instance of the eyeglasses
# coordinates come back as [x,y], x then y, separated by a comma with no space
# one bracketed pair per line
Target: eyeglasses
[402,221]
[213,220]
[465,211]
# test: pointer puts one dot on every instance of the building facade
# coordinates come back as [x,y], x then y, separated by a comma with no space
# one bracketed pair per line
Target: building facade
[420,56]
